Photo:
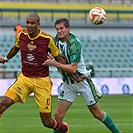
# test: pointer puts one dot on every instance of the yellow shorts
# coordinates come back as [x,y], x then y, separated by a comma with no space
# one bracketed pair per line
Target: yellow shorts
[24,86]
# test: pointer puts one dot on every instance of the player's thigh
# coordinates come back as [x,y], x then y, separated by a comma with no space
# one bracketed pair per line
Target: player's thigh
[89,92]
[42,94]
[5,102]
[18,90]
[10,97]
[67,93]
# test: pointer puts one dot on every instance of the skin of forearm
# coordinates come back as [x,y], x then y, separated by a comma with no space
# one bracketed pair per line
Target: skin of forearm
[13,51]
[60,59]
[72,68]
[65,67]
[74,77]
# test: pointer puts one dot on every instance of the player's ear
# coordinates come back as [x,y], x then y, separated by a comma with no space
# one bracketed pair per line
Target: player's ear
[68,28]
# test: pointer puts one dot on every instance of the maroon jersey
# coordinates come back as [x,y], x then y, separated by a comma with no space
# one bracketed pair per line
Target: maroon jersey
[34,52]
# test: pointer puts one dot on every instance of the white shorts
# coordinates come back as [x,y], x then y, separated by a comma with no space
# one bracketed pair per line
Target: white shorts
[86,88]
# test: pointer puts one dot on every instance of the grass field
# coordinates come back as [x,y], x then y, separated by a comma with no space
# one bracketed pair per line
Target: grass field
[24,118]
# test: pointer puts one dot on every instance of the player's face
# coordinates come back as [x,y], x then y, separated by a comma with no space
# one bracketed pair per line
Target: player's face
[32,26]
[62,31]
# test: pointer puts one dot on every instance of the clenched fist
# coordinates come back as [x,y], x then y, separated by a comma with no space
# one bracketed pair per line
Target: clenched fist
[2,59]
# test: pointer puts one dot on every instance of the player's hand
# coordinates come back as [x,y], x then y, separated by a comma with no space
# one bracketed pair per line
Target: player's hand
[80,78]
[48,62]
[2,59]
[77,78]
[50,56]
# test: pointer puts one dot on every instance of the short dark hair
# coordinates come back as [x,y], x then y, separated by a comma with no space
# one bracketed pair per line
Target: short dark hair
[34,15]
[62,20]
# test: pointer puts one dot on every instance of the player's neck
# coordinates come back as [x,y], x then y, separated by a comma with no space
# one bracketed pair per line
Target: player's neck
[65,38]
[35,34]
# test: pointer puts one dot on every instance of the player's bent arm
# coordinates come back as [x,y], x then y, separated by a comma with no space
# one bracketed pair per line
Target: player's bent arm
[60,59]
[61,64]
[78,78]
[74,77]
[69,68]
[13,51]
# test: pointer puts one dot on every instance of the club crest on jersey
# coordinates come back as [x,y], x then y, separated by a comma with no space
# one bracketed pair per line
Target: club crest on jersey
[31,46]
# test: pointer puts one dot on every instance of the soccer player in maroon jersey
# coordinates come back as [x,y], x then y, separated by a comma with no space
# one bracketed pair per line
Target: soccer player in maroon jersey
[34,45]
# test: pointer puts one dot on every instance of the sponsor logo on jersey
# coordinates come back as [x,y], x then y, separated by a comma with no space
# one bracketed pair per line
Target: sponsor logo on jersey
[30,57]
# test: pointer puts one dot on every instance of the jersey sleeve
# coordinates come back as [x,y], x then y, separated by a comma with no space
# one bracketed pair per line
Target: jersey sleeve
[75,51]
[54,50]
[17,40]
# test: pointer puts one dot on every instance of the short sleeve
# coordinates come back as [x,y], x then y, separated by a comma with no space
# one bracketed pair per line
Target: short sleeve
[53,48]
[75,51]
[17,41]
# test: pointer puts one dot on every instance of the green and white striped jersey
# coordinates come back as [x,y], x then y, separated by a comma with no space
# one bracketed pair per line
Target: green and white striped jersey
[71,51]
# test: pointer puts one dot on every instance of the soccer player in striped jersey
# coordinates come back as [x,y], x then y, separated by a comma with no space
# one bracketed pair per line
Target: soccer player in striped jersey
[70,48]
[34,45]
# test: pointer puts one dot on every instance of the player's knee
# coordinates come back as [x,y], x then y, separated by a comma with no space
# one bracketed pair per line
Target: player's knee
[1,106]
[47,124]
[98,115]
[5,103]
[0,103]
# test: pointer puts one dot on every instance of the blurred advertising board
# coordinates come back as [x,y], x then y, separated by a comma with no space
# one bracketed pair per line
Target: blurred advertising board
[107,86]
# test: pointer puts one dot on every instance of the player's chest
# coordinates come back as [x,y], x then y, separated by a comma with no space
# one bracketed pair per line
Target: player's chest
[63,48]
[34,45]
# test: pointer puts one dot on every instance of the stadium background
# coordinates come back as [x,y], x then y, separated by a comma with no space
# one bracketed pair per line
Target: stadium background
[108,46]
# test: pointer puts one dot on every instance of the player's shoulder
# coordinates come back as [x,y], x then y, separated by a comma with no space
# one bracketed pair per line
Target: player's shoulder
[23,31]
[73,38]
[45,34]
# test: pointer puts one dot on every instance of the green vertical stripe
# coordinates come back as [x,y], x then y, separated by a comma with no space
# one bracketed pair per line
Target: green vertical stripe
[93,89]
